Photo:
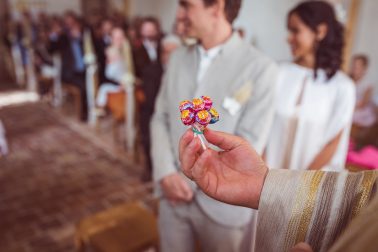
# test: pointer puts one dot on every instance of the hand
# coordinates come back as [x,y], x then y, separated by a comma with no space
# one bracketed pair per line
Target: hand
[176,189]
[235,176]
[301,247]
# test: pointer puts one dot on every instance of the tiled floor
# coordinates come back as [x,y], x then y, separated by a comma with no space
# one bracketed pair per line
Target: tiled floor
[56,174]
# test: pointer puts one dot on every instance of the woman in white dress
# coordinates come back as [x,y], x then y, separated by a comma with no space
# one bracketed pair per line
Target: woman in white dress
[314,99]
[119,66]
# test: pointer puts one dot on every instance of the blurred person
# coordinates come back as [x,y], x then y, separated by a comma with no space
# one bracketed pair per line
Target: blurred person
[101,44]
[364,114]
[56,28]
[118,66]
[314,98]
[120,20]
[133,32]
[3,141]
[149,50]
[28,35]
[94,19]
[148,69]
[5,31]
[317,210]
[173,40]
[240,80]
[43,21]
[41,49]
[43,60]
[180,28]
[169,44]
[69,43]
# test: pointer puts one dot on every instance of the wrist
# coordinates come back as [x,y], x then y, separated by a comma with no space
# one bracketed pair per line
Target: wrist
[259,185]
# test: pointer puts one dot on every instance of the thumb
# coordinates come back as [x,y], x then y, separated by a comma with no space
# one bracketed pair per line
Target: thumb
[223,140]
[301,247]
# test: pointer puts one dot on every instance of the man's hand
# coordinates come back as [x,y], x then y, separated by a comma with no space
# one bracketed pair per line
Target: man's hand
[176,189]
[235,175]
[301,247]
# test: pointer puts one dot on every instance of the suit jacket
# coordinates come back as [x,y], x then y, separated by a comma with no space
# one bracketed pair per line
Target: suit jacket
[316,207]
[150,73]
[239,70]
[100,48]
[62,44]
[142,60]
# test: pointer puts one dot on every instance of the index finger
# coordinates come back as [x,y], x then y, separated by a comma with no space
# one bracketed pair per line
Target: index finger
[184,141]
[189,157]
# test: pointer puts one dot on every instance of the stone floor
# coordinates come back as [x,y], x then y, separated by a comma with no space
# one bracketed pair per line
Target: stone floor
[57,172]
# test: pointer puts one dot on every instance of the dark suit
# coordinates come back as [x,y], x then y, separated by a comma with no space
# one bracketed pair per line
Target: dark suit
[100,46]
[71,75]
[150,72]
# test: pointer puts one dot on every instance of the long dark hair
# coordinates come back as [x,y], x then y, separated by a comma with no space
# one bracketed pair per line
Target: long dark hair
[328,54]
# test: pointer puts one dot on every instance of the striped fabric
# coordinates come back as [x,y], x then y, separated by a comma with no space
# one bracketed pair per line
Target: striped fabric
[310,206]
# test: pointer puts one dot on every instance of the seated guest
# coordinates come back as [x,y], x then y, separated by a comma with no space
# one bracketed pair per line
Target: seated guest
[118,66]
[314,98]
[364,115]
[169,44]
[101,44]
[43,60]
[69,43]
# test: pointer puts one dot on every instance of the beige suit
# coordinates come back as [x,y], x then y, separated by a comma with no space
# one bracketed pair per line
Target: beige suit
[239,73]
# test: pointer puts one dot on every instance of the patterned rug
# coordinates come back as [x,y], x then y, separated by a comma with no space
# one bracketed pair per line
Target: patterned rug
[57,172]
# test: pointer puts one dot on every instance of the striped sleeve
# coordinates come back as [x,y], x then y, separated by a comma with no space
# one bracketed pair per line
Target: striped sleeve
[310,206]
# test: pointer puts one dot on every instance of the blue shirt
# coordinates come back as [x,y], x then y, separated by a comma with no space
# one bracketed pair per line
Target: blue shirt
[78,54]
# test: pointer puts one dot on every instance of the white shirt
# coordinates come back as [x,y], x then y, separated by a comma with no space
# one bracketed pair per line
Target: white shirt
[300,132]
[151,48]
[206,58]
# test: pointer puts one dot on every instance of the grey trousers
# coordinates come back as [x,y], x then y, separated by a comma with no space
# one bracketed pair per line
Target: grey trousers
[184,225]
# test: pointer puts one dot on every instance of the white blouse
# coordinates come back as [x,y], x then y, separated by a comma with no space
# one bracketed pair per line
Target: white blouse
[309,114]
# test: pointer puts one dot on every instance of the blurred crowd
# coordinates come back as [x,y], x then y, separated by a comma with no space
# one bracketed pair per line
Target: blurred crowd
[125,52]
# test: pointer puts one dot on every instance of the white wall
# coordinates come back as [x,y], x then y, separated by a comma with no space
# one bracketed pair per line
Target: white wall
[265,25]
[48,6]
[366,37]
[165,10]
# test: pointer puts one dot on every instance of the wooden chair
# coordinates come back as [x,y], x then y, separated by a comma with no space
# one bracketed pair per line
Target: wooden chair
[117,106]
[130,227]
[75,92]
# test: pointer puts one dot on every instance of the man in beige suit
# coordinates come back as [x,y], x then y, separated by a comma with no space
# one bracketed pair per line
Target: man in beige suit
[298,210]
[240,80]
